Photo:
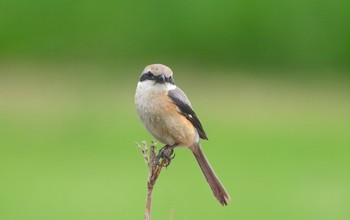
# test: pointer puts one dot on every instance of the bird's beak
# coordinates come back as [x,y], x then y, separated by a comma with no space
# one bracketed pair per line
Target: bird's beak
[160,79]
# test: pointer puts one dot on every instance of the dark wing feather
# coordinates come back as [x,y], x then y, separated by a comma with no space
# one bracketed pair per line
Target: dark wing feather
[178,97]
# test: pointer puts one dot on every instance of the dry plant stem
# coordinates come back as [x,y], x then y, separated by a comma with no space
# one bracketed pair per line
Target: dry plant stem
[154,170]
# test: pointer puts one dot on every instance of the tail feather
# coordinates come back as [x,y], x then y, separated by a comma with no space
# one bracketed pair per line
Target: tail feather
[214,183]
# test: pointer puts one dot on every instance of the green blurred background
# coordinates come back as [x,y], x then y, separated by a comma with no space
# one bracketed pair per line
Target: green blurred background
[269,81]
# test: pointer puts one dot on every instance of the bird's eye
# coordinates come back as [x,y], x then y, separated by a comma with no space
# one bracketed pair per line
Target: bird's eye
[171,80]
[147,76]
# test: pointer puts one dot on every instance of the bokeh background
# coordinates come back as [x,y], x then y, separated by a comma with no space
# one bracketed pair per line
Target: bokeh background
[269,81]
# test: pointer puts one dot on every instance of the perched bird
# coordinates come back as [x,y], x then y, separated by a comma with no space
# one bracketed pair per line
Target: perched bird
[166,113]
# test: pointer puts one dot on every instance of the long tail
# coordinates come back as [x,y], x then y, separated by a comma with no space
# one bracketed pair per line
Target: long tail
[214,183]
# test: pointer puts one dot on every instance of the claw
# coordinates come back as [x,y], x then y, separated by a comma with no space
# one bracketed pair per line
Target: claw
[165,153]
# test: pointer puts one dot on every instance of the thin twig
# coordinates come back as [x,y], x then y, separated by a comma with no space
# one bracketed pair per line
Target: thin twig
[171,213]
[154,170]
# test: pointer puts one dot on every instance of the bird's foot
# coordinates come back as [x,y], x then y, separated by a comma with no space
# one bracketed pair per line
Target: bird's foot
[165,153]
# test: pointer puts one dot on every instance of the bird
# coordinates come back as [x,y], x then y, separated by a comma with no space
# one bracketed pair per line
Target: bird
[167,114]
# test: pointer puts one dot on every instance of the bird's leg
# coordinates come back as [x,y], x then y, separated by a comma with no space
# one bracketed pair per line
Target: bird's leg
[166,153]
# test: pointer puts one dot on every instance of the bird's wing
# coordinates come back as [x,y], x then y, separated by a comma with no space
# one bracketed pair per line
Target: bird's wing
[179,98]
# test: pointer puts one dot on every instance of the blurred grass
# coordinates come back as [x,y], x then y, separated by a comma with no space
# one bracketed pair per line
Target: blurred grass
[280,146]
[299,34]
